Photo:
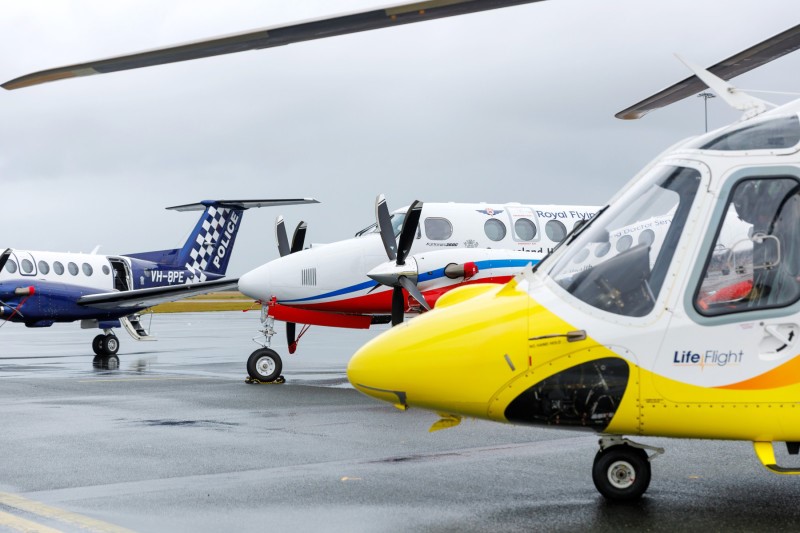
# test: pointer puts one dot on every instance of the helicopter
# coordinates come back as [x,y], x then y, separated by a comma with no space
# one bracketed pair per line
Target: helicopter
[693,335]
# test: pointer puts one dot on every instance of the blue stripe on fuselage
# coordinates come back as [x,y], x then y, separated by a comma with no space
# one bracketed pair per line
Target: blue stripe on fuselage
[427,276]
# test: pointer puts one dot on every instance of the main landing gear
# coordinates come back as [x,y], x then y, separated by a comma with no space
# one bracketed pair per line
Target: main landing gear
[105,345]
[621,470]
[264,365]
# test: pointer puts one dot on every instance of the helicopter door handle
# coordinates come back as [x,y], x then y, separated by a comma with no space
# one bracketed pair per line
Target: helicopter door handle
[572,336]
[777,341]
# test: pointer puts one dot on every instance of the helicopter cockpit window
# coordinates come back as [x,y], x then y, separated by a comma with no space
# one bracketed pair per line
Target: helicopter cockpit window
[772,134]
[626,280]
[397,224]
[755,261]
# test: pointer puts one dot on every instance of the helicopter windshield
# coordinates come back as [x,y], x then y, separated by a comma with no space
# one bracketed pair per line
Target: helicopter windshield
[619,263]
[397,224]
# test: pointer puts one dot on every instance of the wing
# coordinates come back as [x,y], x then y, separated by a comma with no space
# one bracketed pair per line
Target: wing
[395,15]
[745,61]
[142,298]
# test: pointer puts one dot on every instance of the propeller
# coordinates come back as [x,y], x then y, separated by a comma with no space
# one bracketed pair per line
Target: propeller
[401,271]
[284,248]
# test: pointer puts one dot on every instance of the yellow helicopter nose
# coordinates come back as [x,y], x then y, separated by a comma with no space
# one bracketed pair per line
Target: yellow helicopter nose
[450,359]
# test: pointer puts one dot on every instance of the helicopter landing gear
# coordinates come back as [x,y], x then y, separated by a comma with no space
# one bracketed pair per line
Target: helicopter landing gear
[621,470]
[105,345]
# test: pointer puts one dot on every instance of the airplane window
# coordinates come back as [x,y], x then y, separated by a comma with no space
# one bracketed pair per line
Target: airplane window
[772,134]
[26,266]
[87,269]
[11,266]
[575,225]
[603,249]
[646,237]
[397,225]
[44,268]
[106,270]
[555,230]
[58,268]
[525,229]
[495,229]
[438,229]
[755,262]
[624,243]
[73,268]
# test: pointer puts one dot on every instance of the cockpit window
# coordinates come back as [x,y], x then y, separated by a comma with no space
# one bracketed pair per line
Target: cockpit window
[772,134]
[602,267]
[755,261]
[397,224]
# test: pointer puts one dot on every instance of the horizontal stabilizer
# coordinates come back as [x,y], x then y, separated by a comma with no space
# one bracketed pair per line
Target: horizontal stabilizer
[745,61]
[143,298]
[386,17]
[242,204]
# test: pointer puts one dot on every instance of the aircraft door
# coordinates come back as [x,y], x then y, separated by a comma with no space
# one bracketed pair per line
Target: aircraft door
[25,262]
[121,274]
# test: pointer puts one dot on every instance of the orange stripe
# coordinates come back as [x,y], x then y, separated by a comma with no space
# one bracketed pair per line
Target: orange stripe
[783,376]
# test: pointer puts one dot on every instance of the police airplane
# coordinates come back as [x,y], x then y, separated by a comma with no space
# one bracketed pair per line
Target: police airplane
[39,289]
[431,248]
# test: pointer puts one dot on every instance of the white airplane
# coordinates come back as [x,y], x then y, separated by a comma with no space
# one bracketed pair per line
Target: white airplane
[432,248]
[40,288]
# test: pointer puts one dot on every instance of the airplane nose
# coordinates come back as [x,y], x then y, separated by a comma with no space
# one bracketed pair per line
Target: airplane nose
[256,284]
[445,359]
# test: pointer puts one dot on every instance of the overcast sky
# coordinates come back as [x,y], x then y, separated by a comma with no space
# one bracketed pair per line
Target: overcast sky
[511,105]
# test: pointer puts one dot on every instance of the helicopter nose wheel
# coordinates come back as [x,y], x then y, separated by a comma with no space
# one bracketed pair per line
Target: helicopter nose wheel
[264,365]
[621,472]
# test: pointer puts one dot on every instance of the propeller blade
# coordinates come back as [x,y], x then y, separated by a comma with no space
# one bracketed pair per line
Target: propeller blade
[414,291]
[409,231]
[280,236]
[398,306]
[290,336]
[384,220]
[299,237]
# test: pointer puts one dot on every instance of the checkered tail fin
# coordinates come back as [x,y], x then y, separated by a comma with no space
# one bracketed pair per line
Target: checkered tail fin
[209,246]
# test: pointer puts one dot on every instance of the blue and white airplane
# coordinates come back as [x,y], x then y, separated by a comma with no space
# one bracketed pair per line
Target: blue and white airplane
[39,289]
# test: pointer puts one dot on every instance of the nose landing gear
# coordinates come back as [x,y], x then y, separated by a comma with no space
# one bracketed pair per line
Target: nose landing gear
[621,470]
[264,365]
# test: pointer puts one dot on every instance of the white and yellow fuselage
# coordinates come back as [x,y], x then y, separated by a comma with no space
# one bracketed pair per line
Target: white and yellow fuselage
[627,345]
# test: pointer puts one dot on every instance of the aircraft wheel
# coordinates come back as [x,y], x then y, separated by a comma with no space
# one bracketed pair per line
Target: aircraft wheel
[110,344]
[97,345]
[621,473]
[264,365]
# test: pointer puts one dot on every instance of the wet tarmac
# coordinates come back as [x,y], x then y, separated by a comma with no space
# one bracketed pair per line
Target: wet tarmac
[174,440]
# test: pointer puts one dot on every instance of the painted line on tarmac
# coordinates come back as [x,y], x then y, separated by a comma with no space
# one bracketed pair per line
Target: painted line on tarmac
[21,524]
[54,513]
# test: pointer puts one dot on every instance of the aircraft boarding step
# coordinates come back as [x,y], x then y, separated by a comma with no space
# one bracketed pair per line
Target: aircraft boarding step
[135,329]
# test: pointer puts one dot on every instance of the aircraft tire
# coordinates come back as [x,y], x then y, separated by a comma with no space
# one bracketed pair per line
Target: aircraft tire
[97,345]
[621,473]
[110,344]
[264,365]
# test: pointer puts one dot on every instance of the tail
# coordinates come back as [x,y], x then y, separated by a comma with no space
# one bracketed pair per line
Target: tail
[208,249]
